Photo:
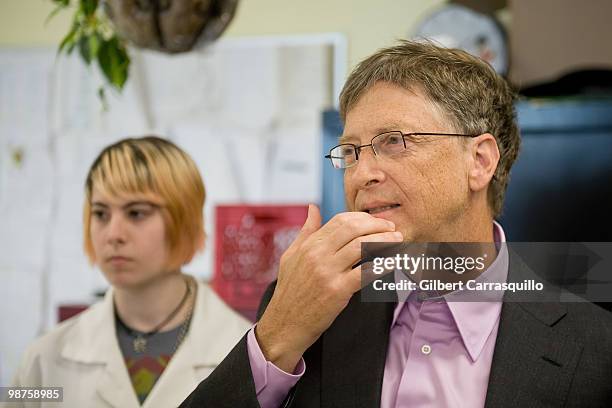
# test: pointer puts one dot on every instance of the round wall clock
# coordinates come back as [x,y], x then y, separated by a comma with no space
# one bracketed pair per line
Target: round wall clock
[456,26]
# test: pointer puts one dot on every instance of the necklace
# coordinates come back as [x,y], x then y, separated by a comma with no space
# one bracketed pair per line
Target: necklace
[187,322]
[139,342]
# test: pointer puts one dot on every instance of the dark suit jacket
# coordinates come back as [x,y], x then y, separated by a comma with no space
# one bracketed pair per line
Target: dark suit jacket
[546,355]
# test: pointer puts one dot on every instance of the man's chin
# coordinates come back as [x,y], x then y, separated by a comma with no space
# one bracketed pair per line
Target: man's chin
[409,234]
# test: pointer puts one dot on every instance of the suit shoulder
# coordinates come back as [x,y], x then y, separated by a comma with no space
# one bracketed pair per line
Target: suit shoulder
[590,318]
[591,325]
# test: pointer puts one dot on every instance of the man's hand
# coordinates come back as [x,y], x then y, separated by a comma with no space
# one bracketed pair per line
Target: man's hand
[316,282]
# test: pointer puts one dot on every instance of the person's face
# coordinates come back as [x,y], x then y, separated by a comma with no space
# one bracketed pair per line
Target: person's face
[129,239]
[423,190]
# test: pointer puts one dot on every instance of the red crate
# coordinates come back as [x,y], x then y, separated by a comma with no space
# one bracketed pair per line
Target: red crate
[249,241]
[65,312]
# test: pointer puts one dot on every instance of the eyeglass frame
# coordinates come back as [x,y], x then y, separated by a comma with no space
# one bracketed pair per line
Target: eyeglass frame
[404,135]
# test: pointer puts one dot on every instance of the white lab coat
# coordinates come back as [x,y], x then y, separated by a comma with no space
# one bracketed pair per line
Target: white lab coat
[82,355]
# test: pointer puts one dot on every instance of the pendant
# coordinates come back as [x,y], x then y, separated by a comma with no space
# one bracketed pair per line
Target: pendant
[140,344]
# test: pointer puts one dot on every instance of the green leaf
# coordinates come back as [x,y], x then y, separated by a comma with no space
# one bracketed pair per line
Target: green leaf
[69,39]
[71,47]
[89,7]
[62,3]
[53,13]
[89,45]
[102,97]
[84,49]
[94,45]
[114,62]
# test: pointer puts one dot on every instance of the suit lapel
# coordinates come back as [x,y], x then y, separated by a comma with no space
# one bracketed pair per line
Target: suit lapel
[354,350]
[533,364]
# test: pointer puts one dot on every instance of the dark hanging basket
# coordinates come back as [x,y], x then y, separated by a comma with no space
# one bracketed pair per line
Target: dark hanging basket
[170,26]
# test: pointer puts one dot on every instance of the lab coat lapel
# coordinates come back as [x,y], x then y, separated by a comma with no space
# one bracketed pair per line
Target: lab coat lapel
[196,357]
[115,386]
[94,341]
[179,378]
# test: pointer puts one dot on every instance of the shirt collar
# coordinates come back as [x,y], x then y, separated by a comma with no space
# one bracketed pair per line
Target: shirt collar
[475,320]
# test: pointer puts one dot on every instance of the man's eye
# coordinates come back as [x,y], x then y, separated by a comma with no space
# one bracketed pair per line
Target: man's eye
[392,140]
[347,151]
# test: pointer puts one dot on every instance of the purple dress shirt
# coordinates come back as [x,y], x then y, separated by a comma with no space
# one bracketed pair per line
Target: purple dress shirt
[440,351]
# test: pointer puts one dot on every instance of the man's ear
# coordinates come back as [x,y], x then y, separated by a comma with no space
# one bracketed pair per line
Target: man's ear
[485,157]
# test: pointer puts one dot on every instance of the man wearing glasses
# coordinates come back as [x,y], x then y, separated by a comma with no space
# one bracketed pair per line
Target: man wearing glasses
[429,139]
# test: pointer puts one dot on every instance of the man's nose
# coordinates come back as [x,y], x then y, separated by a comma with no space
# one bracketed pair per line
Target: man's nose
[367,170]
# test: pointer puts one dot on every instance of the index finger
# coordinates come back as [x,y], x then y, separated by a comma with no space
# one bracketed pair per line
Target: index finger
[345,227]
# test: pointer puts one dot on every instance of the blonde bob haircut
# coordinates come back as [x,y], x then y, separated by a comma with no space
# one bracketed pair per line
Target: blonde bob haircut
[159,170]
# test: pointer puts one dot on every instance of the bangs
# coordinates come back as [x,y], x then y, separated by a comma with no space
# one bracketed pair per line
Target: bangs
[121,170]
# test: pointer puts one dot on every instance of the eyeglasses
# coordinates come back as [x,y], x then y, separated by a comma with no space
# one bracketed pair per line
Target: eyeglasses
[384,145]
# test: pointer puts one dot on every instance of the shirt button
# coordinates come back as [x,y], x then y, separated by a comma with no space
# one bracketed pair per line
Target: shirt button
[426,349]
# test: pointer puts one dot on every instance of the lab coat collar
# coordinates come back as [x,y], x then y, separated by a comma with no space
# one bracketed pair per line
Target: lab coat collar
[93,340]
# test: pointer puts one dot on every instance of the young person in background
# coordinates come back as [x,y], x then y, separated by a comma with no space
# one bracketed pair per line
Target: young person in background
[158,332]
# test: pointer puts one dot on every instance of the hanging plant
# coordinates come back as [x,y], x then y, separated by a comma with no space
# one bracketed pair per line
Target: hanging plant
[100,29]
[92,34]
